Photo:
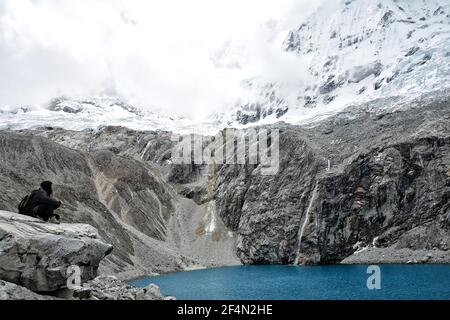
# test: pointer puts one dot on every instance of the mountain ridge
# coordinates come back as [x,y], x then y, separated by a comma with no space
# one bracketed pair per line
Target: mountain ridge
[354,52]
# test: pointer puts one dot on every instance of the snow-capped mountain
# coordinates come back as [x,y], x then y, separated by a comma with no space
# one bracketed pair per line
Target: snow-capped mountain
[95,113]
[357,51]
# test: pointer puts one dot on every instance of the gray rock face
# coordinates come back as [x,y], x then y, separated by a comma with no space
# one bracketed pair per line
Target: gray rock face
[394,255]
[265,211]
[36,255]
[100,288]
[153,148]
[389,176]
[110,288]
[11,291]
[124,194]
[270,105]
[388,181]
[111,193]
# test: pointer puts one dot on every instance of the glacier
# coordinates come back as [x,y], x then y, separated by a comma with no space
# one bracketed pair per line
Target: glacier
[358,51]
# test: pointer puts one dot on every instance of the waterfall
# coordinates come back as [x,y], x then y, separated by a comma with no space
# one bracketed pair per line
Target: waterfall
[147,146]
[305,223]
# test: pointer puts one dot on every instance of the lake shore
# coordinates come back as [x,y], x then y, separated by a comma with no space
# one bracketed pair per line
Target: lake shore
[397,256]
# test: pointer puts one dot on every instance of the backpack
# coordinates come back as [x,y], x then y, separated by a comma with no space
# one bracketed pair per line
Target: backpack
[24,205]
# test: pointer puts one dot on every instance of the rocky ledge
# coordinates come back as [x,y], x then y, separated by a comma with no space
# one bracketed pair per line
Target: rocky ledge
[11,291]
[393,255]
[110,288]
[35,257]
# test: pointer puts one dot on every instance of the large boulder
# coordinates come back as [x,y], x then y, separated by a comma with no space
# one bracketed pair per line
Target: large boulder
[36,255]
[11,291]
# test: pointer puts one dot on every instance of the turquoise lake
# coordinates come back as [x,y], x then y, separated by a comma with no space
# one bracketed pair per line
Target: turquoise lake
[334,282]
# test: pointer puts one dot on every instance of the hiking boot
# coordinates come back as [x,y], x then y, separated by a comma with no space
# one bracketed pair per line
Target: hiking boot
[54,220]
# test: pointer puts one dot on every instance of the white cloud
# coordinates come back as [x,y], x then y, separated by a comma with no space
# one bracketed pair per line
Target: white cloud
[176,55]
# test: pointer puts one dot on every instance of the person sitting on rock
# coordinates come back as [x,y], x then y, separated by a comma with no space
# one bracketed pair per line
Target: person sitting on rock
[43,205]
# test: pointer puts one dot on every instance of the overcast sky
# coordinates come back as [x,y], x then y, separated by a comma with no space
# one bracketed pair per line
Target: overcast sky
[175,55]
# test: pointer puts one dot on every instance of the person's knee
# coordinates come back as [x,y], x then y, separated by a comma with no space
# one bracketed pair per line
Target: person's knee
[43,211]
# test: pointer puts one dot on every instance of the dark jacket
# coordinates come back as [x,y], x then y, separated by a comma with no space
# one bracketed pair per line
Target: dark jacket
[40,196]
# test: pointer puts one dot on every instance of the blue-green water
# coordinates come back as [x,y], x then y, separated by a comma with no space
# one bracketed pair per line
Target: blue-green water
[337,282]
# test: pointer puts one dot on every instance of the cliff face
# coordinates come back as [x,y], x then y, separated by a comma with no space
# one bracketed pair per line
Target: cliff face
[371,179]
[388,186]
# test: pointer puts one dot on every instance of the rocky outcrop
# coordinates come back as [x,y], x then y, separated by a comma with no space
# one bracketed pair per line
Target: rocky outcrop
[388,179]
[11,291]
[36,255]
[36,259]
[101,288]
[110,288]
[395,255]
